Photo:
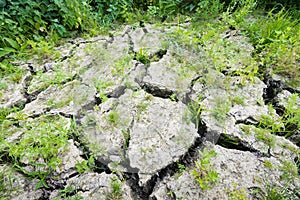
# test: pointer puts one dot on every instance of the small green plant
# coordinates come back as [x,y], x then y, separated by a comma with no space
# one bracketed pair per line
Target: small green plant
[268,164]
[113,117]
[64,194]
[203,172]
[121,66]
[265,136]
[173,97]
[116,187]
[85,165]
[289,171]
[195,110]
[143,56]
[7,179]
[275,192]
[237,194]
[239,100]
[101,85]
[181,168]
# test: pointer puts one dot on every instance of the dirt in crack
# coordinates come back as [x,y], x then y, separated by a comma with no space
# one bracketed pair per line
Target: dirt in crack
[231,142]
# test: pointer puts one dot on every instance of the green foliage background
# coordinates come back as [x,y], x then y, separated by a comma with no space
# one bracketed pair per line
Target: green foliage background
[30,19]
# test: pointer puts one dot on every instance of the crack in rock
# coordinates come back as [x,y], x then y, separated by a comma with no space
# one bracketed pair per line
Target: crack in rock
[231,142]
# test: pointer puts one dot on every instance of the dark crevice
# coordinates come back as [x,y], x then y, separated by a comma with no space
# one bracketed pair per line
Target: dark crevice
[248,121]
[116,93]
[31,70]
[144,30]
[231,142]
[273,88]
[291,90]
[78,43]
[70,116]
[159,92]
[109,41]
[157,55]
[187,96]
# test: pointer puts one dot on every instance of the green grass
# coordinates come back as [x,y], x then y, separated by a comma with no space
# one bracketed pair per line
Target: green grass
[10,72]
[39,146]
[113,117]
[287,124]
[116,190]
[276,38]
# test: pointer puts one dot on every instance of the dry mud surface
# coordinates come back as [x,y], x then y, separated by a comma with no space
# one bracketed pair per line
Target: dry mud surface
[145,107]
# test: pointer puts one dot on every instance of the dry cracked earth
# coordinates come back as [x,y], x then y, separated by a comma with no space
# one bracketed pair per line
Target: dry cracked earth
[145,107]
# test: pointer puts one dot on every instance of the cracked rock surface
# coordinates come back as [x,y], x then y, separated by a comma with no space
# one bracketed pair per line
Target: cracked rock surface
[129,115]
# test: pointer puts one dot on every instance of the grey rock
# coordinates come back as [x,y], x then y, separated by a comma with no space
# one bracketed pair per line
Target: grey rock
[283,97]
[17,187]
[13,94]
[70,156]
[68,99]
[148,39]
[104,131]
[171,75]
[93,186]
[229,105]
[156,129]
[159,136]
[237,172]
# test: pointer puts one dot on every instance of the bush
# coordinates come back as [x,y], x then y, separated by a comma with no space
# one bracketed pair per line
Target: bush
[31,19]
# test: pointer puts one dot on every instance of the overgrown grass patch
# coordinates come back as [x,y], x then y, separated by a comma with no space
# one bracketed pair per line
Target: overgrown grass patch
[277,41]
[36,152]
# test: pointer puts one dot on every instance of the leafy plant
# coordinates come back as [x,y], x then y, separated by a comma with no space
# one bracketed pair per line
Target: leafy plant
[288,123]
[25,20]
[113,117]
[195,110]
[116,193]
[237,194]
[276,38]
[143,56]
[203,172]
[101,85]
[64,194]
